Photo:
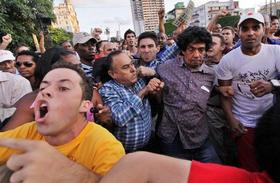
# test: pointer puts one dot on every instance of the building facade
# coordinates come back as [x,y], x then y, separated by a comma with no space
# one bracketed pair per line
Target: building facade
[145,14]
[271,8]
[66,17]
[204,13]
[179,10]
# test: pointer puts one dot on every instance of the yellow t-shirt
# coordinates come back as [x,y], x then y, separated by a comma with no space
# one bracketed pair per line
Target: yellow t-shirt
[95,147]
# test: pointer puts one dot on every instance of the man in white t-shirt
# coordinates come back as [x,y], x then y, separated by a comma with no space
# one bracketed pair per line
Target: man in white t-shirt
[244,77]
[12,88]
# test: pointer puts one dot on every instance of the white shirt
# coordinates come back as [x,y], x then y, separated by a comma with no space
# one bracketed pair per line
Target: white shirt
[12,88]
[243,70]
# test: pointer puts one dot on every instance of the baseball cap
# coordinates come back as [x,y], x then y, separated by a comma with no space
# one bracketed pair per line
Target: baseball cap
[82,37]
[251,15]
[6,55]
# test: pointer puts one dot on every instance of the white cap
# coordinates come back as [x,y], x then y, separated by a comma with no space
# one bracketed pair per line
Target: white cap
[82,37]
[6,55]
[251,15]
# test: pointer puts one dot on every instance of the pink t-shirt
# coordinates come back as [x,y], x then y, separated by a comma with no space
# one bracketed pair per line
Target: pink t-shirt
[215,173]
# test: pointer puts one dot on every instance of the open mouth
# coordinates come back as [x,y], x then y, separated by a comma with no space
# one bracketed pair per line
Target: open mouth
[43,110]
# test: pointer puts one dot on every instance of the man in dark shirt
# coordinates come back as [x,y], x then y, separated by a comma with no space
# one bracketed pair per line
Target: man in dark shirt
[188,81]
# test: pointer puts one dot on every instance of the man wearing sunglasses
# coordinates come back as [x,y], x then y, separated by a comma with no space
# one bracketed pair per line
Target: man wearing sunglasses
[26,64]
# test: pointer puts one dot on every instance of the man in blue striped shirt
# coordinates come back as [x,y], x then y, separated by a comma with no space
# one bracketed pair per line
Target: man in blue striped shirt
[126,96]
[85,46]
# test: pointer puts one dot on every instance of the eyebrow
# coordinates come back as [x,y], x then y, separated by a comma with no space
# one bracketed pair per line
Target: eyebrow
[60,81]
[127,64]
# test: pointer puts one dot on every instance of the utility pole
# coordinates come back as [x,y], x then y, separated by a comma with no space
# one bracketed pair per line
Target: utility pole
[270,8]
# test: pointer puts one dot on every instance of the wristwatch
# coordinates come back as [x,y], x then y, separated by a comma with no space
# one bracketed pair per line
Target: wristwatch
[275,84]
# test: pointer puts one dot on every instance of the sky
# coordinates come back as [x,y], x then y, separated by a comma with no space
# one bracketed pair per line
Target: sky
[116,14]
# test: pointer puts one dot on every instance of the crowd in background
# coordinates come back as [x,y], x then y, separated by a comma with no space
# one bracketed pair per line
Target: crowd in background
[198,94]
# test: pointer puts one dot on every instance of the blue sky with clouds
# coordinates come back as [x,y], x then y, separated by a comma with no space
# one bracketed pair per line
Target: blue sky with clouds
[116,14]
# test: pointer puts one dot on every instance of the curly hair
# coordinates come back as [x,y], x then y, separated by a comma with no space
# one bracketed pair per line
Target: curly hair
[267,142]
[194,35]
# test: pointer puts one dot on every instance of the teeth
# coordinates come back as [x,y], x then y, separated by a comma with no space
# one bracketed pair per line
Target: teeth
[43,105]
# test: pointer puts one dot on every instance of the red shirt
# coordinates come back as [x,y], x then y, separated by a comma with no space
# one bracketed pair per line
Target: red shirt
[215,173]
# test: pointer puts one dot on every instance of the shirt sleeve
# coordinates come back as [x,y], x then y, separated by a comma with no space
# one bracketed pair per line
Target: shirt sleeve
[277,53]
[223,70]
[21,88]
[108,151]
[25,131]
[212,173]
[170,53]
[123,109]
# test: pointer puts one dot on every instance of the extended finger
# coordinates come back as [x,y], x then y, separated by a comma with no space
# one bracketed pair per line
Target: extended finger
[18,144]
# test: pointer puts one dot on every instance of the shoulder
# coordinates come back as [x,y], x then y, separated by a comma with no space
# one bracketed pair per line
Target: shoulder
[101,148]
[269,47]
[208,69]
[167,64]
[108,85]
[27,100]
[27,130]
[99,137]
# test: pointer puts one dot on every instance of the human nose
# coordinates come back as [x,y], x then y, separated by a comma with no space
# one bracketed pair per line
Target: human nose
[132,68]
[8,65]
[196,53]
[251,32]
[47,92]
[92,47]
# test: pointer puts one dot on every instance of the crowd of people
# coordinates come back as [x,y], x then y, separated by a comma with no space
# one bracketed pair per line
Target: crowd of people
[203,103]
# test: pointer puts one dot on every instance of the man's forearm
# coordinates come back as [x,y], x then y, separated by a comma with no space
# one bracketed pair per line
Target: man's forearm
[3,46]
[227,107]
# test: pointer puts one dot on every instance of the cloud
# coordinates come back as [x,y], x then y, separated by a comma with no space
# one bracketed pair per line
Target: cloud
[118,20]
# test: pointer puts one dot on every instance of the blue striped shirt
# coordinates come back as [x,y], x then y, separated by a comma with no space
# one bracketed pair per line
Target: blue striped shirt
[87,70]
[130,114]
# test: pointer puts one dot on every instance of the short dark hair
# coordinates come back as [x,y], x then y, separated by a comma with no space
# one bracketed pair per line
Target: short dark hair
[50,57]
[229,28]
[267,140]
[277,33]
[18,45]
[85,83]
[148,34]
[105,65]
[221,37]
[35,56]
[194,35]
[129,31]
[64,41]
[110,59]
[273,17]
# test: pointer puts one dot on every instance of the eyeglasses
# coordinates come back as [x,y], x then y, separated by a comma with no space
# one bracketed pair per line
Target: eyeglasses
[26,64]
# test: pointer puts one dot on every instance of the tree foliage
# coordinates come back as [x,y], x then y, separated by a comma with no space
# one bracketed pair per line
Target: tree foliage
[169,27]
[58,35]
[20,18]
[229,20]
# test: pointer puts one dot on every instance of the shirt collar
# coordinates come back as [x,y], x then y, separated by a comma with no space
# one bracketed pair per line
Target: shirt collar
[203,68]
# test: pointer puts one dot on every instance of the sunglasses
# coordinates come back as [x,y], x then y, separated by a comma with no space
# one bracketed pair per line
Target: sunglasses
[26,64]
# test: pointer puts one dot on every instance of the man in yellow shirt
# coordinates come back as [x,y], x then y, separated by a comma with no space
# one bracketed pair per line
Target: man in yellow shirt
[60,108]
